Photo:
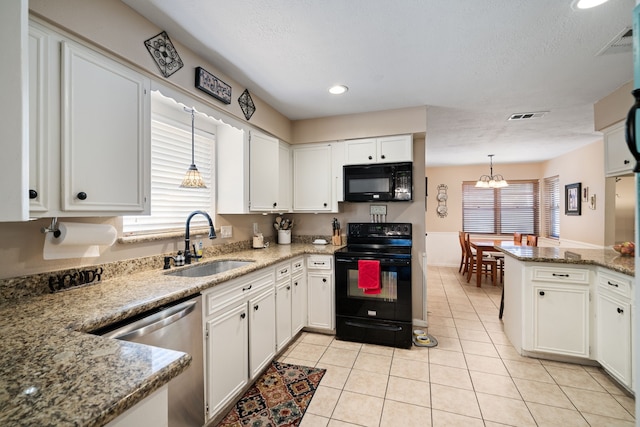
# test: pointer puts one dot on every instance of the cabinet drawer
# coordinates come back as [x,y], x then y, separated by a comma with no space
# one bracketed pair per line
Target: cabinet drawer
[283,271]
[297,265]
[319,262]
[237,289]
[558,275]
[619,285]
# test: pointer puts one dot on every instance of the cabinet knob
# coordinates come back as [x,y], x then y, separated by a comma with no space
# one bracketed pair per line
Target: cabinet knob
[288,288]
[382,156]
[81,195]
[324,280]
[541,293]
[275,204]
[626,162]
[324,204]
[33,194]
[255,307]
[370,157]
[620,311]
[243,315]
[295,283]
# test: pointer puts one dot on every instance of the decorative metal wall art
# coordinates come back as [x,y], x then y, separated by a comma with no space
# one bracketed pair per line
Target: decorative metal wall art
[208,83]
[246,104]
[442,197]
[164,54]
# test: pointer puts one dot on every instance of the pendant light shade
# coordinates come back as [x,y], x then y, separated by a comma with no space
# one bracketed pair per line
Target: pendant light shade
[491,181]
[192,179]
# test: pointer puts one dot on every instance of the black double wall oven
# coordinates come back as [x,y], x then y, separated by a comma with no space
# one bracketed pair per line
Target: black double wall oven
[382,314]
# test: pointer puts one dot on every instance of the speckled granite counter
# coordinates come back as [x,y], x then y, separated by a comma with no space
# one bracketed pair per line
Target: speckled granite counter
[603,257]
[54,373]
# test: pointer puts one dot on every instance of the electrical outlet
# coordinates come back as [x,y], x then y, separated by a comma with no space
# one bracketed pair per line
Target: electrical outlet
[378,209]
[226,231]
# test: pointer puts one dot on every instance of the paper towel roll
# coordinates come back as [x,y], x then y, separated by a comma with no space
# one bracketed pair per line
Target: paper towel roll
[78,240]
[74,234]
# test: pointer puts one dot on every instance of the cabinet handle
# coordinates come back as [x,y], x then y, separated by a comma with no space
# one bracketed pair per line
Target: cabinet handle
[626,162]
[255,307]
[382,156]
[541,293]
[560,275]
[243,315]
[324,280]
[246,289]
[81,195]
[370,157]
[284,271]
[33,194]
[612,284]
[620,311]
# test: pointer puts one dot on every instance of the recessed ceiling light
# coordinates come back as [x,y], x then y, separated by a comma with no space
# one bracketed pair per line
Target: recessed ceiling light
[587,4]
[338,89]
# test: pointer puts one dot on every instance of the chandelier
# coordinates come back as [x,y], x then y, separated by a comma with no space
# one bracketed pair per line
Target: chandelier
[491,181]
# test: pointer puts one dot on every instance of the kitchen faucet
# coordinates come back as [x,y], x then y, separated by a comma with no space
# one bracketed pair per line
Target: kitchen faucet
[212,234]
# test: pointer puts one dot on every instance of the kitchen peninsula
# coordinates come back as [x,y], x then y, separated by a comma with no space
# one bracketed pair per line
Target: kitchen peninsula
[53,371]
[571,305]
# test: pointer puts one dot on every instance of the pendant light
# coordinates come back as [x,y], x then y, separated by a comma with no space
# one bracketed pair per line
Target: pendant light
[491,181]
[192,179]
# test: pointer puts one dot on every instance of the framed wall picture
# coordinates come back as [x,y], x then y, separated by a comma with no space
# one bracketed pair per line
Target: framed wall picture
[573,199]
[208,83]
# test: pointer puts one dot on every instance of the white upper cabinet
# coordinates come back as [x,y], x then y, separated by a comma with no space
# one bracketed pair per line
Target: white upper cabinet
[232,166]
[105,134]
[269,174]
[617,157]
[388,149]
[89,119]
[313,178]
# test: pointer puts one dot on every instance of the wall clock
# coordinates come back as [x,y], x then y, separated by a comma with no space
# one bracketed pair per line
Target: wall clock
[246,104]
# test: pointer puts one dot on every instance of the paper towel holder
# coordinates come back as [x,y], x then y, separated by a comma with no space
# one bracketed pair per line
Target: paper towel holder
[53,228]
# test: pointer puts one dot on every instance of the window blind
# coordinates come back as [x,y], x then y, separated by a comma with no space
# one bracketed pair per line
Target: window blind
[551,206]
[506,210]
[170,159]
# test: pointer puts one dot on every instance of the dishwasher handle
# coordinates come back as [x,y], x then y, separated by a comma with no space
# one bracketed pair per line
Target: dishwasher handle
[153,322]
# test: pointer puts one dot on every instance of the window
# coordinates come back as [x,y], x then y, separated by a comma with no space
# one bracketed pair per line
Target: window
[170,159]
[501,210]
[551,206]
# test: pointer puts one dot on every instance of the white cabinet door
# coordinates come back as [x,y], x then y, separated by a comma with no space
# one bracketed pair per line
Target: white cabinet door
[614,336]
[284,307]
[618,158]
[105,134]
[263,172]
[227,349]
[320,300]
[298,302]
[284,177]
[561,319]
[360,151]
[392,149]
[232,170]
[312,178]
[262,331]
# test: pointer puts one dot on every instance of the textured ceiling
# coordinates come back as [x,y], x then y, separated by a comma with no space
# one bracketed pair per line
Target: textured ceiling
[473,63]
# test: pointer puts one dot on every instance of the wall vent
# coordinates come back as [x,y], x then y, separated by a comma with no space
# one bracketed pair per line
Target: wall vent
[621,43]
[526,116]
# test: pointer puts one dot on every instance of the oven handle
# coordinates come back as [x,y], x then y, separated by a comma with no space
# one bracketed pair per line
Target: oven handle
[387,261]
[373,326]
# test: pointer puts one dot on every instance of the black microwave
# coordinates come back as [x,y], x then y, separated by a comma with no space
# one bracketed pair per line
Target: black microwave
[388,182]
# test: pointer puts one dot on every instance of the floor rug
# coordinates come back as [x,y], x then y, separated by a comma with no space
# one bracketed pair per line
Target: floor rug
[278,398]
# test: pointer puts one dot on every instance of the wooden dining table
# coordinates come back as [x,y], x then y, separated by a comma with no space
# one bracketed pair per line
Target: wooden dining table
[486,245]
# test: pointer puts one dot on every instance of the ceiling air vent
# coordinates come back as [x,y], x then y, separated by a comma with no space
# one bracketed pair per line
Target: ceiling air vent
[526,116]
[621,43]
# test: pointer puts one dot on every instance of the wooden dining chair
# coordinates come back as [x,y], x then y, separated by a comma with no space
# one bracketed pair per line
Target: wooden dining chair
[489,264]
[532,240]
[517,238]
[464,262]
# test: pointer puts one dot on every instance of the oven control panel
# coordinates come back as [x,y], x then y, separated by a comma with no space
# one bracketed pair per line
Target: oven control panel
[379,229]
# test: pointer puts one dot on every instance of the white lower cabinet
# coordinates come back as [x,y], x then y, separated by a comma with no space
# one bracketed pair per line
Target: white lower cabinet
[153,410]
[320,290]
[614,326]
[558,311]
[298,295]
[240,335]
[284,295]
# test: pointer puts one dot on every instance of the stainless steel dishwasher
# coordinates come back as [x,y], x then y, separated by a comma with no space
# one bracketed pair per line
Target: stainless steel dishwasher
[177,326]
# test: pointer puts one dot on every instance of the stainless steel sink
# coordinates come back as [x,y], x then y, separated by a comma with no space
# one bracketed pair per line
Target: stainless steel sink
[210,268]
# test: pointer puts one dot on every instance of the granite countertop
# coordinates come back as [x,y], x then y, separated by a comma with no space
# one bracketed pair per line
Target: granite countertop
[603,257]
[53,372]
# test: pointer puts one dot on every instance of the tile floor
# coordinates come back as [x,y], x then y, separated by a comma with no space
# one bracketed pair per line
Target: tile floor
[474,377]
